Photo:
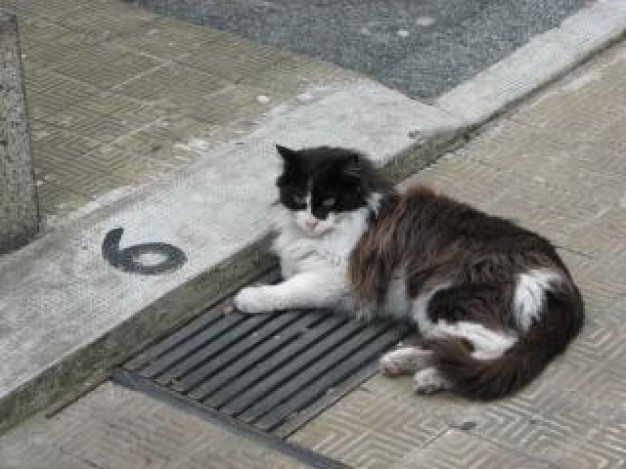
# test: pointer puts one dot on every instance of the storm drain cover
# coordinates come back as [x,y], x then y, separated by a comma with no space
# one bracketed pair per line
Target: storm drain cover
[271,371]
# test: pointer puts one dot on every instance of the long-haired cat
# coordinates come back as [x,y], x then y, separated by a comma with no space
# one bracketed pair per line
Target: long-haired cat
[493,301]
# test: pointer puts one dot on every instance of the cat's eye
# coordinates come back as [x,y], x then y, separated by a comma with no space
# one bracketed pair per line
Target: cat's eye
[329,202]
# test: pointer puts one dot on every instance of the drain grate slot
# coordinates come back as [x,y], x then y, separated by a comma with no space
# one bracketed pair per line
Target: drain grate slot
[273,372]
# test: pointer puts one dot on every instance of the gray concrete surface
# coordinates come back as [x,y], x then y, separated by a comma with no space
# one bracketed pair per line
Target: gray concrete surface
[67,315]
[421,48]
[114,428]
[558,166]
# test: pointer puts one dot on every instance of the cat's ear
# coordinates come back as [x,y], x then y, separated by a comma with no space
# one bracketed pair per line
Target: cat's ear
[352,165]
[287,154]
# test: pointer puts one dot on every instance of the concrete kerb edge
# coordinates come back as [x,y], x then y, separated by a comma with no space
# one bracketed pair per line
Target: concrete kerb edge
[546,58]
[74,373]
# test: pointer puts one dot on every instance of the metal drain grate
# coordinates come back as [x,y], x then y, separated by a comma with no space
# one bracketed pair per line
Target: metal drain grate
[271,371]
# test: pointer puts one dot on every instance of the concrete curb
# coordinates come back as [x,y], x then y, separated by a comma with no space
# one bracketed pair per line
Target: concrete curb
[545,58]
[68,317]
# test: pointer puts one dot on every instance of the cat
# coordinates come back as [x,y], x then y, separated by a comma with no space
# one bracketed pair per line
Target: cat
[493,302]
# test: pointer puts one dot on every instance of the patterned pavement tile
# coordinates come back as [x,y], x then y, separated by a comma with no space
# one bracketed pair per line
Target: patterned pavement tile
[294,74]
[48,9]
[456,449]
[119,429]
[48,93]
[104,66]
[45,44]
[172,86]
[58,200]
[245,58]
[104,117]
[170,40]
[107,20]
[378,424]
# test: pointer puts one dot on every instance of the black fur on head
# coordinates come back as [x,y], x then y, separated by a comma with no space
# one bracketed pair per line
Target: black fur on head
[330,179]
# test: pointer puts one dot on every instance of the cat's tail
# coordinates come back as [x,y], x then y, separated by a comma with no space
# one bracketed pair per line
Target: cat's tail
[482,378]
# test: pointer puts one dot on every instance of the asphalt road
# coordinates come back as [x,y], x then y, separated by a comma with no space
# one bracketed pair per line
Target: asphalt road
[420,47]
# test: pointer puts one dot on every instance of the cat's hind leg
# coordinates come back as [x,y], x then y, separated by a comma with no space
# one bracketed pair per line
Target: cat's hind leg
[404,361]
[429,381]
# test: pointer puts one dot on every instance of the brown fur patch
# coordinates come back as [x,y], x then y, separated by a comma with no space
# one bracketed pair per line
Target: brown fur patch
[433,240]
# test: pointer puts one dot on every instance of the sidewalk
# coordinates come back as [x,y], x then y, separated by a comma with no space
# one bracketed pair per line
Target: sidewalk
[558,165]
[119,97]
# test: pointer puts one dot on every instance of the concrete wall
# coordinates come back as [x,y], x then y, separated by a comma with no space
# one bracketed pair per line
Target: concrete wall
[19,218]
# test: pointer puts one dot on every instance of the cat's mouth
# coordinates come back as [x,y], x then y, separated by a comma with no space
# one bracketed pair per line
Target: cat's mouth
[313,229]
[315,232]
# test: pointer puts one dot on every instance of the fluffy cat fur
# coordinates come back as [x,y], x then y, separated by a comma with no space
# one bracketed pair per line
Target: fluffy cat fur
[493,301]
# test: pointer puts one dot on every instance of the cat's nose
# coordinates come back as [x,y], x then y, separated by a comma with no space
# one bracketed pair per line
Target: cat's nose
[311,224]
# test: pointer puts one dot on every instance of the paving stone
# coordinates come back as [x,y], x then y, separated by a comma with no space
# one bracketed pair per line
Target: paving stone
[120,429]
[58,200]
[456,449]
[295,74]
[106,20]
[36,34]
[104,117]
[169,39]
[48,93]
[48,9]
[61,148]
[173,87]
[104,66]
[379,424]
[244,59]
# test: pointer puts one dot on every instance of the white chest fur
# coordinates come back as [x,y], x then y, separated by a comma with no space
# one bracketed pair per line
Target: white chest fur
[329,252]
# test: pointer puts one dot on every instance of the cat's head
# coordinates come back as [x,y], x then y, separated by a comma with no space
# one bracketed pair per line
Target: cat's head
[320,185]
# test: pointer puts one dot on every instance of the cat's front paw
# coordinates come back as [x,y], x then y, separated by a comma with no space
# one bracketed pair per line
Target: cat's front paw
[366,312]
[252,300]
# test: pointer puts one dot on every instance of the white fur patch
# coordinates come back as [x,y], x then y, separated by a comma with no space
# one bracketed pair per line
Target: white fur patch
[530,294]
[404,360]
[314,266]
[373,201]
[487,344]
